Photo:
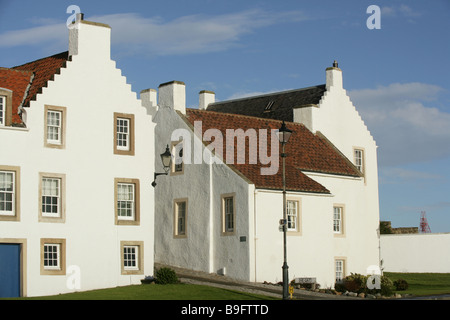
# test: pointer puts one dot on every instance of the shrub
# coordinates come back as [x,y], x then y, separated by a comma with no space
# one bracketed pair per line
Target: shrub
[358,283]
[386,286]
[340,286]
[355,282]
[400,284]
[166,276]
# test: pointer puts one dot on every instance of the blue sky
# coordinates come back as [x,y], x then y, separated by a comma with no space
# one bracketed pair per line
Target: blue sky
[397,76]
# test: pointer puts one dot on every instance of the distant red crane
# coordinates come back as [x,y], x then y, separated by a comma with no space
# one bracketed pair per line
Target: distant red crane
[424,227]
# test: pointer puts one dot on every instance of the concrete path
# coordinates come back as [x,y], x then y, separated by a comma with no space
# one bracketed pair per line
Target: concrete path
[215,280]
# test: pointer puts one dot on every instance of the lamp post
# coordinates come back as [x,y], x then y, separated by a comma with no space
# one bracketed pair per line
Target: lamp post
[166,159]
[283,135]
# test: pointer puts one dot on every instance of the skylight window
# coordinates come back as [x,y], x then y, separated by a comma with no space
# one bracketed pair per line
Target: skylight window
[268,106]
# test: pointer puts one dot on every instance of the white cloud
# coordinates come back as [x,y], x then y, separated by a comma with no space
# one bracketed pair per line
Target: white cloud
[402,10]
[396,175]
[407,129]
[39,35]
[133,33]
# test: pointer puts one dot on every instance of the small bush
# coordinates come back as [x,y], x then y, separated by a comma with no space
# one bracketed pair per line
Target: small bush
[358,283]
[400,285]
[387,286]
[355,282]
[340,287]
[166,276]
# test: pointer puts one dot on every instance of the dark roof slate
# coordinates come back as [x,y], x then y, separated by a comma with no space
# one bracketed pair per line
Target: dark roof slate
[276,105]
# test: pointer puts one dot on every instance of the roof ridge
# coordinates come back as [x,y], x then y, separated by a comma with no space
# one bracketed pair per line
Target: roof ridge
[17,70]
[54,55]
[267,94]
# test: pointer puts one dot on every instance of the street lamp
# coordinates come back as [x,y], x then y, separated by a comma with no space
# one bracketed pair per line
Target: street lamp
[166,159]
[283,135]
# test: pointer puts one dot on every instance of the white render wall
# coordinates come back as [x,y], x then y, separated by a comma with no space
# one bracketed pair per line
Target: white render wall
[194,250]
[312,253]
[202,184]
[92,89]
[423,252]
[233,252]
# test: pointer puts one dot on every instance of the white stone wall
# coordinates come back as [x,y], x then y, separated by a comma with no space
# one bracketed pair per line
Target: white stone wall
[194,250]
[202,184]
[91,89]
[423,252]
[312,252]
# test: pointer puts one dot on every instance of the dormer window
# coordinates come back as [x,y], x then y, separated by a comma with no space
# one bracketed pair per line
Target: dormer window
[5,107]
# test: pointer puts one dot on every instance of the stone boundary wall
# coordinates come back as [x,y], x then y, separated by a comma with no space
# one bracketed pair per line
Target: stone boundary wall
[422,252]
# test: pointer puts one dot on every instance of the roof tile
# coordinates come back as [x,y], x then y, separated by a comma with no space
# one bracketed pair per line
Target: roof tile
[44,70]
[306,151]
[36,74]
[17,81]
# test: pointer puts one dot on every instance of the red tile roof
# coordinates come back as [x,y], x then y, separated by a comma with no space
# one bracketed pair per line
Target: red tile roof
[44,70]
[37,72]
[17,81]
[306,152]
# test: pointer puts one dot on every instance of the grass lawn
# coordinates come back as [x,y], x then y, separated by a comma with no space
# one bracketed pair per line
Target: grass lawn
[423,284]
[158,292]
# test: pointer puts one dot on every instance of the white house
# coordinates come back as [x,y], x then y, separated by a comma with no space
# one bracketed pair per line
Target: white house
[218,210]
[80,152]
[77,161]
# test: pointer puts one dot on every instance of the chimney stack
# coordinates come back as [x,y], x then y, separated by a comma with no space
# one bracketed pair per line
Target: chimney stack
[334,76]
[205,98]
[90,39]
[173,95]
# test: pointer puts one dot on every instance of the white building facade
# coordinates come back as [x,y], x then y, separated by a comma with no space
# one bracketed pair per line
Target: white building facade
[332,233]
[78,211]
[75,177]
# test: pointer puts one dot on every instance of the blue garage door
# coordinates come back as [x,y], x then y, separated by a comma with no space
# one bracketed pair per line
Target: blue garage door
[9,270]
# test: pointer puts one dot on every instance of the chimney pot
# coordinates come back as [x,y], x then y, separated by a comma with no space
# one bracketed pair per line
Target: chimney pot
[334,76]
